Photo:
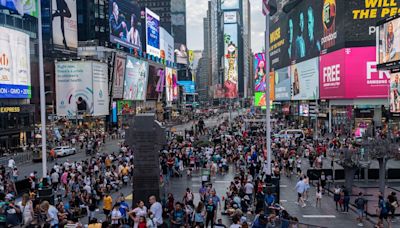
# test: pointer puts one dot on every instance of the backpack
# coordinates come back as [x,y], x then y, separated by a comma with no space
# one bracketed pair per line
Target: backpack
[360,202]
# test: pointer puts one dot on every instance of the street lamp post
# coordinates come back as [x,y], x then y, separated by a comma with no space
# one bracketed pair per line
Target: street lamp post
[268,111]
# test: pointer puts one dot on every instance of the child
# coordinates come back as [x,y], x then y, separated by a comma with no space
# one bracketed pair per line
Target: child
[142,222]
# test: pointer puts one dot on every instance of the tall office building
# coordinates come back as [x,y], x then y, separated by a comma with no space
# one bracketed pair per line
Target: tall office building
[162,8]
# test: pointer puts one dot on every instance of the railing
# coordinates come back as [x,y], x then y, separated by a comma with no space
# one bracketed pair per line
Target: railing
[19,158]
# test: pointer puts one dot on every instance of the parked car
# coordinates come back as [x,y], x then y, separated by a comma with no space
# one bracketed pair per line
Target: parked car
[290,133]
[64,151]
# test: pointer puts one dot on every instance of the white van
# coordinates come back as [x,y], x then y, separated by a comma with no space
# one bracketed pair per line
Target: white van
[291,133]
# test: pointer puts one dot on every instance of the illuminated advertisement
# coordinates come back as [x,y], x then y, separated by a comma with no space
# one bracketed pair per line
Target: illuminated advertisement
[188,86]
[125,24]
[82,88]
[260,99]
[29,7]
[125,108]
[230,17]
[169,87]
[329,37]
[231,60]
[351,73]
[389,41]
[135,83]
[282,84]
[156,81]
[175,88]
[152,33]
[119,73]
[259,72]
[181,54]
[304,78]
[166,46]
[395,92]
[229,4]
[65,27]
[304,110]
[15,70]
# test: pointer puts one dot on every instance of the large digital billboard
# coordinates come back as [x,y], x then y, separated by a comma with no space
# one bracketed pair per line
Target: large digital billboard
[125,107]
[231,60]
[166,46]
[65,27]
[156,81]
[29,7]
[171,84]
[125,23]
[304,78]
[395,92]
[389,42]
[259,72]
[135,83]
[351,73]
[119,73]
[152,33]
[282,84]
[230,4]
[82,88]
[188,86]
[15,70]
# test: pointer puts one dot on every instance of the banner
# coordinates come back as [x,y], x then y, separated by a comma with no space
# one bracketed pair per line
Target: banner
[82,88]
[125,24]
[152,33]
[395,92]
[65,28]
[119,73]
[282,85]
[259,72]
[135,83]
[29,7]
[304,78]
[166,46]
[15,70]
[156,81]
[231,60]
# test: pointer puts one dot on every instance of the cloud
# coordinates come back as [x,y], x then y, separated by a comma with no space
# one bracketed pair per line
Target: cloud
[257,26]
[195,12]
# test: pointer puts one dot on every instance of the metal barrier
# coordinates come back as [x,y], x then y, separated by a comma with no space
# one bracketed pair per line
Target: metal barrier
[20,158]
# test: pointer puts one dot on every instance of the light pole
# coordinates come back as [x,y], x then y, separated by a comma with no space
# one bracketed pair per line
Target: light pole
[268,111]
[52,112]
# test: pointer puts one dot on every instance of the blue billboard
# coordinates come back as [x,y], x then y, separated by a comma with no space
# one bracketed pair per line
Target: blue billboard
[188,86]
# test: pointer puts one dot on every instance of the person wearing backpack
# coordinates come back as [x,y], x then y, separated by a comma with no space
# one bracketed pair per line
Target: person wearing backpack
[188,197]
[383,209]
[178,216]
[199,215]
[360,203]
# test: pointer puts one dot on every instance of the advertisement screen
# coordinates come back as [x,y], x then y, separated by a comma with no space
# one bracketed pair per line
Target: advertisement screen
[135,83]
[304,78]
[125,108]
[230,17]
[231,60]
[65,29]
[82,88]
[395,92]
[282,84]
[229,4]
[259,72]
[389,41]
[28,7]
[15,70]
[166,46]
[169,84]
[125,25]
[156,81]
[181,54]
[260,99]
[351,73]
[175,88]
[188,86]
[152,33]
[119,73]
[304,110]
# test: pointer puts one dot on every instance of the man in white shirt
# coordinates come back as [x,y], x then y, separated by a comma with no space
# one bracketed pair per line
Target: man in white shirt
[11,164]
[156,209]
[249,189]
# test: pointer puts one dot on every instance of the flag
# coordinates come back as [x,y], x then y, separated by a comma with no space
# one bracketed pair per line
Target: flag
[265,7]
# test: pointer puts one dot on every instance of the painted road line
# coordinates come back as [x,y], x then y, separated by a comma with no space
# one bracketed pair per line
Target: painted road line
[223,182]
[283,186]
[196,185]
[283,201]
[319,216]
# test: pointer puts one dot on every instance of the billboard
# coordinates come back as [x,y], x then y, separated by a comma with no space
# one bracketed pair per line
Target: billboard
[260,99]
[15,70]
[304,78]
[156,81]
[166,46]
[119,73]
[125,24]
[135,83]
[175,88]
[282,84]
[181,54]
[389,42]
[65,28]
[230,17]
[152,33]
[82,88]
[230,4]
[231,60]
[395,92]
[29,7]
[259,72]
[304,110]
[351,73]
[169,84]
[188,86]
[125,107]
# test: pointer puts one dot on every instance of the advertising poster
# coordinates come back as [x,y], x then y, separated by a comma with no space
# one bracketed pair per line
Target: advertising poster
[389,41]
[152,33]
[15,70]
[175,88]
[259,72]
[395,92]
[230,17]
[188,86]
[329,21]
[282,84]
[169,84]
[74,86]
[229,4]
[304,110]
[65,28]
[181,54]
[218,91]
[156,81]
[231,60]
[125,24]
[304,79]
[29,7]
[166,46]
[361,18]
[125,108]
[260,99]
[119,73]
[100,89]
[332,77]
[135,83]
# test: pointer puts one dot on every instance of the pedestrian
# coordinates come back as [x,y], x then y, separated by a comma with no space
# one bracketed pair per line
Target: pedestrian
[360,203]
[178,216]
[346,200]
[318,195]
[51,214]
[211,211]
[300,188]
[336,197]
[383,210]
[26,207]
[156,209]
[199,215]
[107,206]
[116,216]
[394,204]
[188,197]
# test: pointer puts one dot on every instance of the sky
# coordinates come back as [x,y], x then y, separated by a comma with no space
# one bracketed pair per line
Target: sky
[196,10]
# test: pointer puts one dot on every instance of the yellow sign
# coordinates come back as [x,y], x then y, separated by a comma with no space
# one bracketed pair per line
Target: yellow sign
[10,109]
[377,9]
[191,56]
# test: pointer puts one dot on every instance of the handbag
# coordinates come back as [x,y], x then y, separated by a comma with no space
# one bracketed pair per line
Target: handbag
[395,204]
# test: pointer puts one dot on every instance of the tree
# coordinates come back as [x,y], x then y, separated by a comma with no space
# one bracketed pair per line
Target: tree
[350,161]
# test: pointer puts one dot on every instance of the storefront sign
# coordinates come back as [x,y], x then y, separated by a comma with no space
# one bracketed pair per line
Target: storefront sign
[10,109]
